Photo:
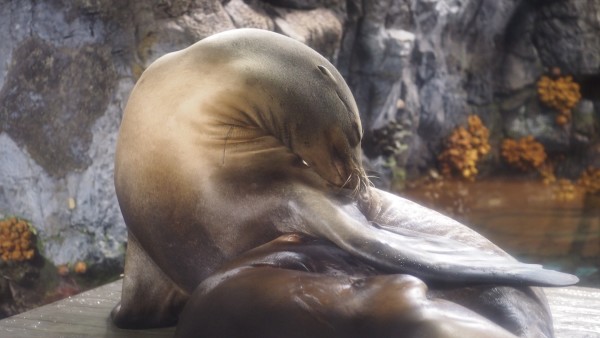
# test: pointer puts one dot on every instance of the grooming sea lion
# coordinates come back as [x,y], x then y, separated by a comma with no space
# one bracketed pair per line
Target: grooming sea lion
[248,135]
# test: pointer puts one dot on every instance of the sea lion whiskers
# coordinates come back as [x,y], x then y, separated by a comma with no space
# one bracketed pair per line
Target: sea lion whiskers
[362,182]
[346,182]
[370,177]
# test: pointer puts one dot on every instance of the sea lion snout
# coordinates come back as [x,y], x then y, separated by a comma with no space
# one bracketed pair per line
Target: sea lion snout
[338,159]
[342,171]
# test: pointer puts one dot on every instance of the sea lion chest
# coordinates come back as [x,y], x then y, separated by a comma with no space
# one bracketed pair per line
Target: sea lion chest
[200,189]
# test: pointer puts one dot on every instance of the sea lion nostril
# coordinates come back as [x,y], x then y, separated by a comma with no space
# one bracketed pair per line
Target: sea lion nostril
[327,73]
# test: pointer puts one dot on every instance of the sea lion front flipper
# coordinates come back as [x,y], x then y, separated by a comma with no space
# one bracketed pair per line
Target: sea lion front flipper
[149,298]
[419,241]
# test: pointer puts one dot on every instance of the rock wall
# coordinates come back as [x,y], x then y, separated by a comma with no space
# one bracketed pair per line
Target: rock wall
[479,57]
[417,68]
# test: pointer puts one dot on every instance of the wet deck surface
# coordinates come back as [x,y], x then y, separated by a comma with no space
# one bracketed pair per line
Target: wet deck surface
[576,313]
[83,315]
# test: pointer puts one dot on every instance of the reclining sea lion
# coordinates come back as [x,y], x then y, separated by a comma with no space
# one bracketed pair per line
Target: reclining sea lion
[296,286]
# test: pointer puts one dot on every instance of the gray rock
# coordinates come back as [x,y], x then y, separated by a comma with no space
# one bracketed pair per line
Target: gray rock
[319,28]
[584,123]
[305,4]
[375,74]
[541,126]
[158,33]
[249,14]
[55,129]
[566,36]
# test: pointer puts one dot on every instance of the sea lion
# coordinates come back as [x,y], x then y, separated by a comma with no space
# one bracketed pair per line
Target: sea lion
[248,135]
[296,286]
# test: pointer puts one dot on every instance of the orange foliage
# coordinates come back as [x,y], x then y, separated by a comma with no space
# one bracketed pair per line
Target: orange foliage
[62,270]
[564,190]
[80,268]
[590,180]
[560,93]
[464,148]
[15,240]
[525,153]
[546,170]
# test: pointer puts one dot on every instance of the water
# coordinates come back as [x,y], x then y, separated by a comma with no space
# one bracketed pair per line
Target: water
[532,221]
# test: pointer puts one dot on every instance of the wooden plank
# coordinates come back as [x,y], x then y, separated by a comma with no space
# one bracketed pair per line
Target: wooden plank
[83,315]
[576,314]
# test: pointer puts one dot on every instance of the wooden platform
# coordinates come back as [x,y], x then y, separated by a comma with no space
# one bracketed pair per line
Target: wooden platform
[576,315]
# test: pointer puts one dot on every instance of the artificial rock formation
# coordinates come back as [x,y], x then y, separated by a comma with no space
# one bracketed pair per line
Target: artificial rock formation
[417,68]
[66,70]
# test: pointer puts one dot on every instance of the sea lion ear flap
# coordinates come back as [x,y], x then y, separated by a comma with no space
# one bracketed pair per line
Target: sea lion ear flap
[327,73]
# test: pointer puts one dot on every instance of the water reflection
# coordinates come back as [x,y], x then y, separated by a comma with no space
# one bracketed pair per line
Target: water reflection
[557,227]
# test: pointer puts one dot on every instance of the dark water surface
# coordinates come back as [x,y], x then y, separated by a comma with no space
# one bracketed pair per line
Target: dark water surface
[532,221]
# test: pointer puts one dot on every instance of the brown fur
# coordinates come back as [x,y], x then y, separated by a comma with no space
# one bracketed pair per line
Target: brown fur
[248,135]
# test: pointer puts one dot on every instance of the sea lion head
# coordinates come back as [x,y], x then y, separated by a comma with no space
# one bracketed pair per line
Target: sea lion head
[299,97]
[326,130]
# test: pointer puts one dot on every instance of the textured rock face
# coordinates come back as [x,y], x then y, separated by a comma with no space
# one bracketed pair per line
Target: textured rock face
[66,70]
[542,36]
[417,69]
[474,57]
[62,97]
[56,129]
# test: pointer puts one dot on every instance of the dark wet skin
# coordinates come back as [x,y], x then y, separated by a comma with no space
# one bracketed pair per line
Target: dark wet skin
[296,286]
